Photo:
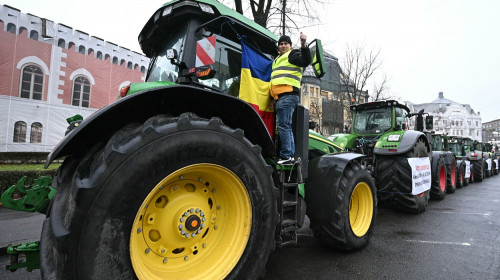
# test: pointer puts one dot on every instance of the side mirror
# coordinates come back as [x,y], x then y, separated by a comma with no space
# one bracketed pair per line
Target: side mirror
[318,59]
[172,54]
[429,122]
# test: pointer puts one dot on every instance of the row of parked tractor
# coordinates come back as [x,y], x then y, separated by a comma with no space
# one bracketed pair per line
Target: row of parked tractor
[459,161]
[380,131]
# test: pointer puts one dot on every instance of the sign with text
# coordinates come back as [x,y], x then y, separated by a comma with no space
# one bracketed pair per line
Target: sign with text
[421,174]
[467,169]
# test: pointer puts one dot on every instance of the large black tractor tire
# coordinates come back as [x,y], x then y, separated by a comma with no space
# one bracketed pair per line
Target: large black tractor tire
[451,176]
[345,218]
[460,175]
[394,181]
[478,169]
[173,198]
[438,187]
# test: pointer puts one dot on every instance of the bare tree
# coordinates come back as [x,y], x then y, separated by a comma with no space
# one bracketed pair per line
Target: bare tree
[380,89]
[282,16]
[316,113]
[358,65]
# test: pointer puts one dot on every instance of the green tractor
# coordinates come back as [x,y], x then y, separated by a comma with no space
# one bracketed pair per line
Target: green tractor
[476,158]
[379,131]
[178,179]
[463,169]
[444,166]
[492,150]
[489,156]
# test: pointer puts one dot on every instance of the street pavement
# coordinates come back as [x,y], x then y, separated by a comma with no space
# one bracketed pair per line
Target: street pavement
[456,238]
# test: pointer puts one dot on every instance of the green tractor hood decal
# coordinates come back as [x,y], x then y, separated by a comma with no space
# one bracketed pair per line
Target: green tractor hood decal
[345,141]
[138,87]
[390,140]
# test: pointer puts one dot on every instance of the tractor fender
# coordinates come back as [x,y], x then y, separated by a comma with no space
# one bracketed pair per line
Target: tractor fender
[325,172]
[408,141]
[449,157]
[436,155]
[172,100]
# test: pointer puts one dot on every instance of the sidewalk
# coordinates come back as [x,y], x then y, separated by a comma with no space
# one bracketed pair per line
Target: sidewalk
[18,227]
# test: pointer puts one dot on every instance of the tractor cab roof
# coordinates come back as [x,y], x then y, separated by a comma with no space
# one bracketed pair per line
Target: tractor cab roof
[210,14]
[378,104]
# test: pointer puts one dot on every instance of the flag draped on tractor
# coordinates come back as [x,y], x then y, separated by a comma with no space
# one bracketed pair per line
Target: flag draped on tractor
[255,82]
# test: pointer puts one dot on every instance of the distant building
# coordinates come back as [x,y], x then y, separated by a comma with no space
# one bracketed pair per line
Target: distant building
[324,98]
[491,132]
[450,117]
[49,72]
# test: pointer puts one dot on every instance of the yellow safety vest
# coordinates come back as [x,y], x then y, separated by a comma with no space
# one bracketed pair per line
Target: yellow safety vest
[285,73]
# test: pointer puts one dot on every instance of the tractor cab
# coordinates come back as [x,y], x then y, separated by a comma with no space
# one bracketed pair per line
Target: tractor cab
[199,43]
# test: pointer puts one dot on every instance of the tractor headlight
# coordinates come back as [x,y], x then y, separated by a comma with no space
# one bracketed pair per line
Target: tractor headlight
[393,138]
[166,11]
[206,8]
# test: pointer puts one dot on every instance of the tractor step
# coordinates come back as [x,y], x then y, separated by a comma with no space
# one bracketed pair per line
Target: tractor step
[288,185]
[24,255]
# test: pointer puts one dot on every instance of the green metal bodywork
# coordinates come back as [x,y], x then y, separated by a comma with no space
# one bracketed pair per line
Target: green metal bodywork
[33,198]
[382,134]
[138,87]
[30,259]
[320,143]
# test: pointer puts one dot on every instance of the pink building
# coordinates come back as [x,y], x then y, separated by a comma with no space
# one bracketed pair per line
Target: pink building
[49,72]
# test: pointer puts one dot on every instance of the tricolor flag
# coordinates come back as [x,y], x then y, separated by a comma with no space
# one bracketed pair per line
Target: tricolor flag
[255,82]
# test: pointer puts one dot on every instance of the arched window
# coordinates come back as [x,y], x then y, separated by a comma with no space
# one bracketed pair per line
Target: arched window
[22,29]
[129,65]
[61,43]
[81,92]
[90,51]
[36,132]
[31,82]
[99,55]
[19,132]
[106,57]
[34,35]
[115,60]
[70,45]
[143,69]
[81,49]
[122,62]
[11,28]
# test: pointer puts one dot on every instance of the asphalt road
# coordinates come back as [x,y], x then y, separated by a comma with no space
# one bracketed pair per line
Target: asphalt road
[456,238]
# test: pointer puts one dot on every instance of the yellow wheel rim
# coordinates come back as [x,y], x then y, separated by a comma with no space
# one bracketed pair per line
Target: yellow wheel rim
[361,209]
[194,224]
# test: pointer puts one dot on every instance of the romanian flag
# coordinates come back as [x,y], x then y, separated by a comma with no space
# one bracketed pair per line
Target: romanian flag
[255,83]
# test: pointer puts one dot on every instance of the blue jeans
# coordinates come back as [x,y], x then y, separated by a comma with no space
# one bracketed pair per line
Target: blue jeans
[285,106]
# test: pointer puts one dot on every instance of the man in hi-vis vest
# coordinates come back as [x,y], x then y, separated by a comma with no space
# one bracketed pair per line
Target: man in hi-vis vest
[285,89]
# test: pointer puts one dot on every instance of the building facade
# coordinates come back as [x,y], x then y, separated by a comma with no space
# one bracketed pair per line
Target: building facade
[450,117]
[49,72]
[491,132]
[327,104]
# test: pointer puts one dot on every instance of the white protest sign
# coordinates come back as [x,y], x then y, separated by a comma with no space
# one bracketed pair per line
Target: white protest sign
[467,169]
[421,174]
[496,164]
[489,163]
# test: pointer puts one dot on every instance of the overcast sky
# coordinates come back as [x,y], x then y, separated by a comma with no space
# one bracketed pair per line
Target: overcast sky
[427,46]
